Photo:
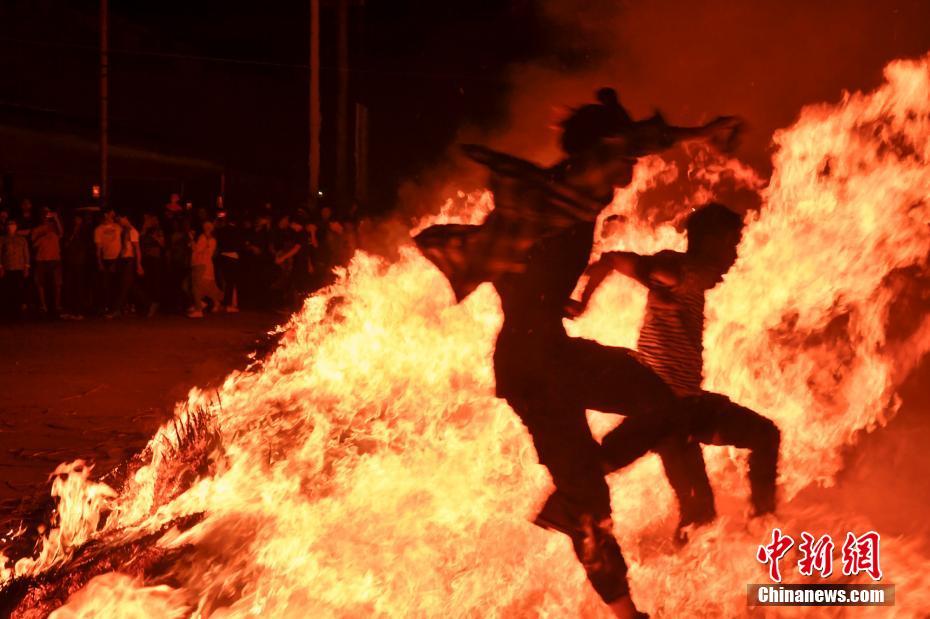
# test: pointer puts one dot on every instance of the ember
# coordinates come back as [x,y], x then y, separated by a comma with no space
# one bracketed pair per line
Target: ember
[366,468]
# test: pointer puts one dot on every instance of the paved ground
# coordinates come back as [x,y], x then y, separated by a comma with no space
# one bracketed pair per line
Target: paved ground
[98,389]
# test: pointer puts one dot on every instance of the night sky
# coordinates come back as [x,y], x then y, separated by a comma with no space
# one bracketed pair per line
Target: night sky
[227,81]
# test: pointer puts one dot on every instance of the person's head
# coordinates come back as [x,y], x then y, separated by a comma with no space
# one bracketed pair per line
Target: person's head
[587,125]
[109,216]
[26,206]
[326,213]
[207,227]
[4,216]
[123,220]
[149,221]
[175,198]
[714,232]
[11,227]
[284,222]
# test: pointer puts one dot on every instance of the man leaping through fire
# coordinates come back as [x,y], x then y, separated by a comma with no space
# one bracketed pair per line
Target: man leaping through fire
[671,343]
[533,247]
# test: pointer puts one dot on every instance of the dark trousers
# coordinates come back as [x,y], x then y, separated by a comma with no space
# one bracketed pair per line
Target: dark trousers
[153,280]
[126,278]
[76,292]
[228,273]
[178,286]
[713,419]
[550,387]
[107,285]
[13,285]
[47,275]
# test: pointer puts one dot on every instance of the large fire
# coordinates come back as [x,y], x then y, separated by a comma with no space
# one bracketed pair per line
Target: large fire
[366,469]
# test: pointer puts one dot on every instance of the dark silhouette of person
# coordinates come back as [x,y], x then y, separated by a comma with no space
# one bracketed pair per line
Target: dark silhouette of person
[533,247]
[671,343]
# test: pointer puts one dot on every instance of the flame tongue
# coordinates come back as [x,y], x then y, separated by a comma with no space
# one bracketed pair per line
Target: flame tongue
[367,469]
[800,325]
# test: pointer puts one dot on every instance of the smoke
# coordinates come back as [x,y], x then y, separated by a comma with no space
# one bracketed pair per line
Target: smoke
[762,61]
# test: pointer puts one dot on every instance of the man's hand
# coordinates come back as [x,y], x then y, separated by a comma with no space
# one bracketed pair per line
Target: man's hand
[139,270]
[724,132]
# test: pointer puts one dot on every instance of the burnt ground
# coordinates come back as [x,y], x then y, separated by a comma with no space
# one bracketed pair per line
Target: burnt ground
[98,390]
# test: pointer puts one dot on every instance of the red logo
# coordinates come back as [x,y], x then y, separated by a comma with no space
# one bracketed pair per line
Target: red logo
[774,552]
[818,555]
[860,554]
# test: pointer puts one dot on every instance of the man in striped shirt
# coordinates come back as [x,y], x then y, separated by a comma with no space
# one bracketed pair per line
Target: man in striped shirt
[671,343]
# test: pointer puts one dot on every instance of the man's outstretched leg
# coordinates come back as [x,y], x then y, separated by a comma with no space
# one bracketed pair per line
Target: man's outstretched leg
[565,446]
[613,380]
[681,458]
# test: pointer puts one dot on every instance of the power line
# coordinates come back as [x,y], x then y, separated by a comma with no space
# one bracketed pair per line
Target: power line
[155,54]
[252,61]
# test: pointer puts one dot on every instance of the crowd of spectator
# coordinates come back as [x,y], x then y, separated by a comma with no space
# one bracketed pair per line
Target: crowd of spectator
[100,262]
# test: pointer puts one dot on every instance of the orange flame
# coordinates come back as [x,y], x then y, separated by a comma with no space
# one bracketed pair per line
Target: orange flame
[369,471]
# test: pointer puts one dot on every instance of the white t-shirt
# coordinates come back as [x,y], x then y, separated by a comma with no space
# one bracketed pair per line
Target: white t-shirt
[108,238]
[202,254]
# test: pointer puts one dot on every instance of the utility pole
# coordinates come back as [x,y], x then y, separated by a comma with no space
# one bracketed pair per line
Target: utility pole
[361,154]
[342,101]
[104,94]
[314,158]
[361,116]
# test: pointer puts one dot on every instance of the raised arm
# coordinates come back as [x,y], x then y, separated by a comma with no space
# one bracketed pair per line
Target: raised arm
[657,272]
[722,132]
[653,135]
[623,262]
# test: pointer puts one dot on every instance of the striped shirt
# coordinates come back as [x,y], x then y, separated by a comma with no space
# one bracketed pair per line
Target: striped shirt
[671,340]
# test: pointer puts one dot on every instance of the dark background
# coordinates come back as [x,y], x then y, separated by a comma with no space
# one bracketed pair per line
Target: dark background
[203,87]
